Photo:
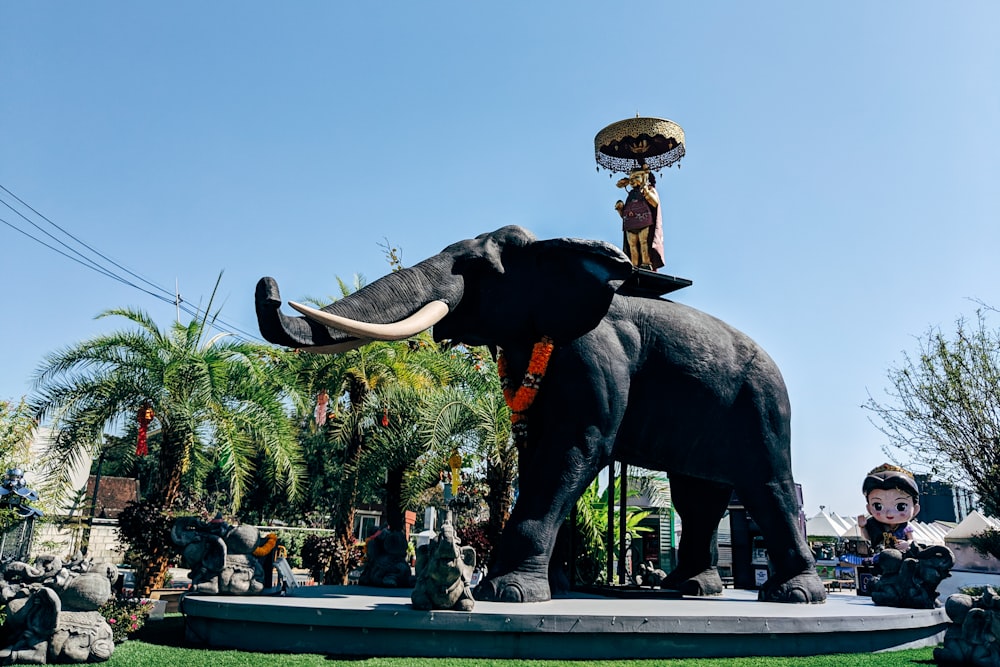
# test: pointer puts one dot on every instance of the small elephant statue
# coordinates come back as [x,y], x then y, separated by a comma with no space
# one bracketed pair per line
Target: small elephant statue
[910,579]
[220,556]
[650,576]
[610,373]
[444,573]
[973,638]
[55,621]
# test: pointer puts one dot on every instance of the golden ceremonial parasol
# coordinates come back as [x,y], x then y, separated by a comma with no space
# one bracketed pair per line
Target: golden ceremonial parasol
[636,142]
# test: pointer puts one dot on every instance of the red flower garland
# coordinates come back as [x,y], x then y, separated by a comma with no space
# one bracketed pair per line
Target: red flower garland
[519,400]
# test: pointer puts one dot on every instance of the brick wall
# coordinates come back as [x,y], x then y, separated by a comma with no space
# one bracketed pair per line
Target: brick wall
[63,539]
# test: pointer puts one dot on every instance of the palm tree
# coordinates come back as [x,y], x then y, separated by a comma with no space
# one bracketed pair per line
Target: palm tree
[17,427]
[472,415]
[370,393]
[209,397]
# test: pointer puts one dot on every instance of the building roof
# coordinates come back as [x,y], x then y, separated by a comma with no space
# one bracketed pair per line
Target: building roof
[112,495]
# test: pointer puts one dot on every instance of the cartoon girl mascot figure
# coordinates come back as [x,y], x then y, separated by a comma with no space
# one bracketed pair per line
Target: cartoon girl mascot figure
[893,499]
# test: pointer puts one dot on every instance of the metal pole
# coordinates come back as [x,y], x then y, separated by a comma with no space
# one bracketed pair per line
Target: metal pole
[572,547]
[93,505]
[622,507]
[610,537]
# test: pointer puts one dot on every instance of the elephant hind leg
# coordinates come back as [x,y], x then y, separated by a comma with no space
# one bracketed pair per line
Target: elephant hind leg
[701,504]
[775,508]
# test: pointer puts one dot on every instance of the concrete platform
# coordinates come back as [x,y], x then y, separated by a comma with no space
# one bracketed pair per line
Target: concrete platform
[366,622]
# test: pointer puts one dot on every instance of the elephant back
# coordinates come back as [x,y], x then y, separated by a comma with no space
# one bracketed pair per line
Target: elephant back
[242,540]
[86,592]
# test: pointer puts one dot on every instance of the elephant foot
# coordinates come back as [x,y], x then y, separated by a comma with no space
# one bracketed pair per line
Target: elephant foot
[802,588]
[704,583]
[514,587]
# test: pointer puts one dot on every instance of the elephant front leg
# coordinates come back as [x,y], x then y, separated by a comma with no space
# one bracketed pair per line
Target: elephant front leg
[550,483]
[521,571]
[571,429]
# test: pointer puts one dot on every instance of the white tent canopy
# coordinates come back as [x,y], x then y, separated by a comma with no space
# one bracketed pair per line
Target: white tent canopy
[923,533]
[824,525]
[971,525]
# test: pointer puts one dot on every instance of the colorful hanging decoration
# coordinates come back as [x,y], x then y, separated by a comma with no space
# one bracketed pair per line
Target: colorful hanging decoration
[519,399]
[322,402]
[455,463]
[145,416]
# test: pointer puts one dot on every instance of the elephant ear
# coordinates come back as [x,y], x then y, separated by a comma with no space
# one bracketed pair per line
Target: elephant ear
[578,277]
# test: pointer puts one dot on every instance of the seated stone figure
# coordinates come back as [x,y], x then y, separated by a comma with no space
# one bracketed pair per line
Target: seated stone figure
[444,570]
[385,561]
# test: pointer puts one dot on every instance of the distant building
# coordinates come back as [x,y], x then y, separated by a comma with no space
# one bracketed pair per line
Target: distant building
[940,501]
[113,494]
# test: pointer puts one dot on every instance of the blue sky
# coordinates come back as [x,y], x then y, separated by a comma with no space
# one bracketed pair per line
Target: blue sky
[839,194]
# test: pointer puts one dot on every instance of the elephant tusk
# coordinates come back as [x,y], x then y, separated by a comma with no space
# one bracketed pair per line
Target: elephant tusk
[423,319]
[337,348]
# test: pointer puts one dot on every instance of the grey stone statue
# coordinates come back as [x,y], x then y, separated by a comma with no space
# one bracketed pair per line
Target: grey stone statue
[973,638]
[385,561]
[650,576]
[220,556]
[911,579]
[444,570]
[52,611]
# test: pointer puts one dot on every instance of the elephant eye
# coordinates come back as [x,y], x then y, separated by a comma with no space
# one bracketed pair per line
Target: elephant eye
[877,507]
[900,507]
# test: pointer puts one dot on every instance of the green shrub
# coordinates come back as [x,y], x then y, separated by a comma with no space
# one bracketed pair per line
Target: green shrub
[987,543]
[474,535]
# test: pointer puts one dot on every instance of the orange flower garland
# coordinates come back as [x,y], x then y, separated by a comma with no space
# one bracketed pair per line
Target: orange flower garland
[519,400]
[267,547]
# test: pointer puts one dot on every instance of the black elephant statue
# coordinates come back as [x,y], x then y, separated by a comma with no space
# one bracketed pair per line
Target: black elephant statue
[611,375]
[973,637]
[911,579]
[385,561]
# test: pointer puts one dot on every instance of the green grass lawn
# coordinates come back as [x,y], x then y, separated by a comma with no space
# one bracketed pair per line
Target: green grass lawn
[162,643]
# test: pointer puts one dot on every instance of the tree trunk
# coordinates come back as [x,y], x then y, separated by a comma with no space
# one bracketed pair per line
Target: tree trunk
[394,498]
[500,478]
[173,450]
[343,524]
[153,574]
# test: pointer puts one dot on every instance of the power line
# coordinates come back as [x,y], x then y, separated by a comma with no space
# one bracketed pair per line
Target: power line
[85,245]
[166,295]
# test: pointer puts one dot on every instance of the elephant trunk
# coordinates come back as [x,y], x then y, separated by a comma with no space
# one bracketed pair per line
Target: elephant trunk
[388,300]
